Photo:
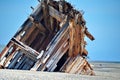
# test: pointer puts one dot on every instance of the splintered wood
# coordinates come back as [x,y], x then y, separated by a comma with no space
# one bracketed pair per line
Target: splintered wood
[51,39]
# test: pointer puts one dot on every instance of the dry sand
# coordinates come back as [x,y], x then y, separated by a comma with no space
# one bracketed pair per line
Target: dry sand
[103,70]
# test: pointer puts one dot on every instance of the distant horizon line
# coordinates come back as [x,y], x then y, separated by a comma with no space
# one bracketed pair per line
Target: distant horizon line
[99,61]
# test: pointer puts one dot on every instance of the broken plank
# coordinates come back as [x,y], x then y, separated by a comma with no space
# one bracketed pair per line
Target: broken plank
[88,34]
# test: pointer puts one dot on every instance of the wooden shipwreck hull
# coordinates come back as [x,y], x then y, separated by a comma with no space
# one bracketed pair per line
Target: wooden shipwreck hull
[51,39]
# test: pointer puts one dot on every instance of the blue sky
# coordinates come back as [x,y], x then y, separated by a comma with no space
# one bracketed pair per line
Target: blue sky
[102,17]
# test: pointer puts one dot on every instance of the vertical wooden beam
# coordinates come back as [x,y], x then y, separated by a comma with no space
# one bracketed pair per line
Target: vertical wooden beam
[71,40]
[46,15]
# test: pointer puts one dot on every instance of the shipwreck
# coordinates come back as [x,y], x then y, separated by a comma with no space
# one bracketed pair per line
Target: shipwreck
[51,39]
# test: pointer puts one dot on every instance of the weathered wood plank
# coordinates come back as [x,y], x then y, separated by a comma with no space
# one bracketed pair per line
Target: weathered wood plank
[46,16]
[7,61]
[70,66]
[15,60]
[38,24]
[25,47]
[5,50]
[60,52]
[32,36]
[57,15]
[28,33]
[80,69]
[76,65]
[76,42]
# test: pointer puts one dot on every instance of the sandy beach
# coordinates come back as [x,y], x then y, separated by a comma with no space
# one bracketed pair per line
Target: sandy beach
[103,71]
